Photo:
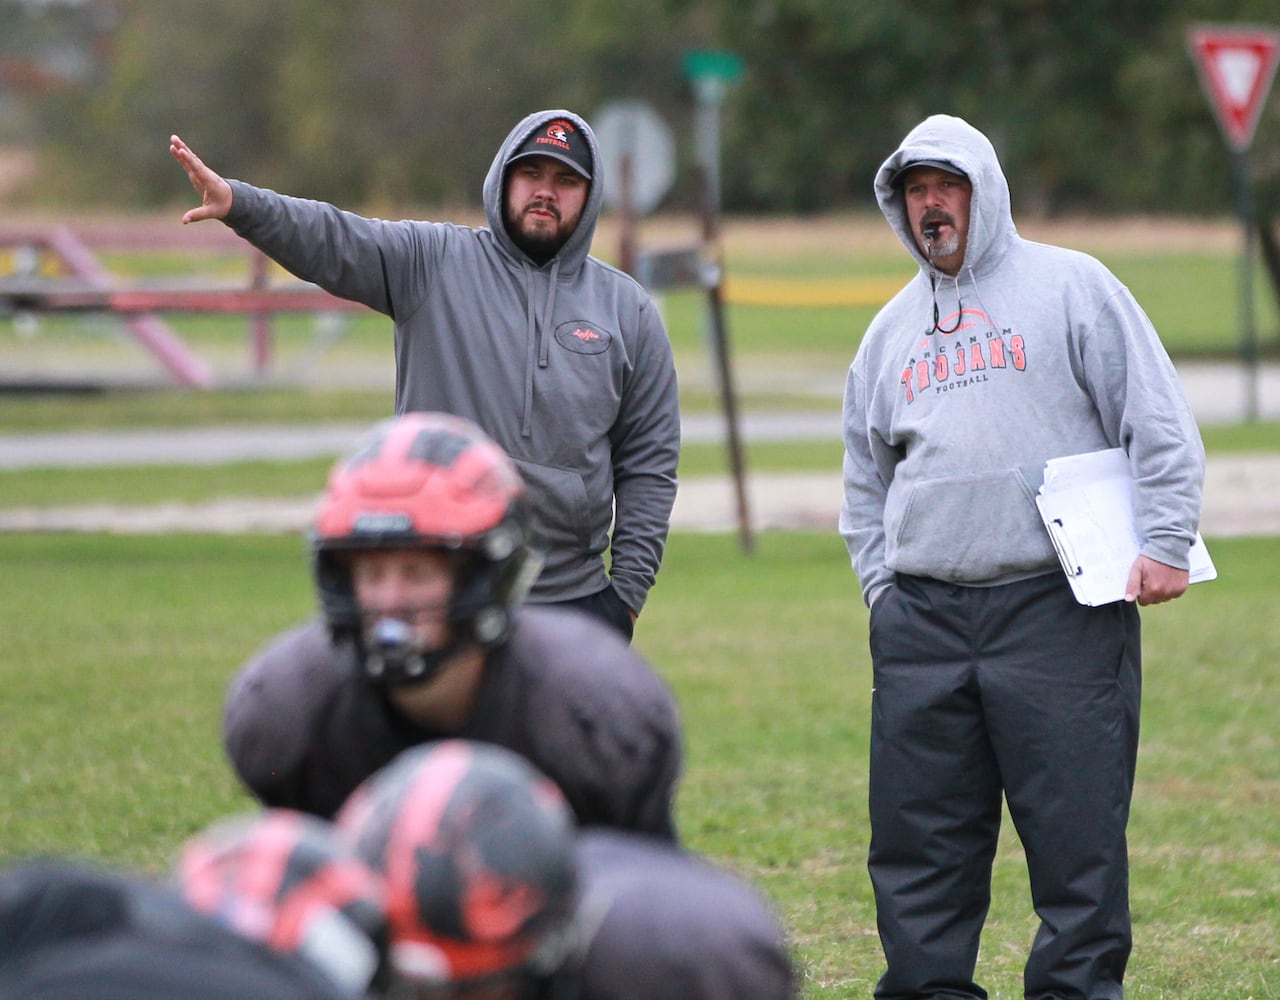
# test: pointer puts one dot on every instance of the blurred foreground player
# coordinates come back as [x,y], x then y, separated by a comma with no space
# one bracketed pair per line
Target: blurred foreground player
[490,887]
[477,850]
[670,925]
[290,881]
[422,554]
[71,931]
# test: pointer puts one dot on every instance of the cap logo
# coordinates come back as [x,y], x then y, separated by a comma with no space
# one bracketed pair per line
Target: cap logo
[557,135]
[562,140]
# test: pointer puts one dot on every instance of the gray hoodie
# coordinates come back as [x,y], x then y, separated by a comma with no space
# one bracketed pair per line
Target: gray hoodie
[566,365]
[946,434]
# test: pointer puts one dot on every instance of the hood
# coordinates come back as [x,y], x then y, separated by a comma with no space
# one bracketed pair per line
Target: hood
[575,251]
[952,140]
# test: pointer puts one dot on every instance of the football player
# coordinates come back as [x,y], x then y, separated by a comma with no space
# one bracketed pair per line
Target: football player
[422,552]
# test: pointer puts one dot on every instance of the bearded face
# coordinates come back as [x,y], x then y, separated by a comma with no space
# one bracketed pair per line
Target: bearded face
[544,205]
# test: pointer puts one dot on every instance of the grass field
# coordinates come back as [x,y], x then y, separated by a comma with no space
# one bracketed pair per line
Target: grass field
[117,650]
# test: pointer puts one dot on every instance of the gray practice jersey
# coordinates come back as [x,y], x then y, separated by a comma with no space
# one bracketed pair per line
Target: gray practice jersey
[303,727]
[665,924]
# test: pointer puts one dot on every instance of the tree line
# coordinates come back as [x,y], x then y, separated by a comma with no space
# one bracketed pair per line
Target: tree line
[1094,106]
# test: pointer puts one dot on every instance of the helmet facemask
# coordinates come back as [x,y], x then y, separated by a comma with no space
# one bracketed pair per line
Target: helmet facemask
[479,612]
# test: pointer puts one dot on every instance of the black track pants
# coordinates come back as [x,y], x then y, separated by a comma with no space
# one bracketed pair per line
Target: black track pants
[983,690]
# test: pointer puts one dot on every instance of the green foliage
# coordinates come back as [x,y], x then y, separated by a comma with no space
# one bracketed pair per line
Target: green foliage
[118,652]
[1090,105]
[387,103]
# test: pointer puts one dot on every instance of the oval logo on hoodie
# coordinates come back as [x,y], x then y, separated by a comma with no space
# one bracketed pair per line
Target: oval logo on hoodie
[582,337]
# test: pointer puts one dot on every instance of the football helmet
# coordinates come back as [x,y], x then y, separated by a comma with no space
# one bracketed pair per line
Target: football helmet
[477,849]
[425,480]
[290,881]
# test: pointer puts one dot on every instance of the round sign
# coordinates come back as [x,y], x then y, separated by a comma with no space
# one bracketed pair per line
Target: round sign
[632,132]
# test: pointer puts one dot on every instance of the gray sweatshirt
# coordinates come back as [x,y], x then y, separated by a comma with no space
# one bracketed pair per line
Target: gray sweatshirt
[946,434]
[567,366]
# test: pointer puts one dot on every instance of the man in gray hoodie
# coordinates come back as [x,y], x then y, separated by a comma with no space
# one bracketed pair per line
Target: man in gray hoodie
[560,358]
[989,677]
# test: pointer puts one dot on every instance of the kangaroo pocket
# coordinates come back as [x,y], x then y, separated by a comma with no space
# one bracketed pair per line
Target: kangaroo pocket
[968,529]
[560,509]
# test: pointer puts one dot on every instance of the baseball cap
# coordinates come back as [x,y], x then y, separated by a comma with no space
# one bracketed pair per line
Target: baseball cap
[901,172]
[561,140]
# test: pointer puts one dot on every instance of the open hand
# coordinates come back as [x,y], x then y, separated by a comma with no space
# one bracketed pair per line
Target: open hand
[215,193]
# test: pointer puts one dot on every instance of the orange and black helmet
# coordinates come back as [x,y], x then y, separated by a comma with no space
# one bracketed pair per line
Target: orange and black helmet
[433,481]
[290,881]
[477,849]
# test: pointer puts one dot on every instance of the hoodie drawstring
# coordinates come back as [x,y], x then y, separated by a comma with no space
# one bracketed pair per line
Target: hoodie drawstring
[977,293]
[548,311]
[955,281]
[933,288]
[531,354]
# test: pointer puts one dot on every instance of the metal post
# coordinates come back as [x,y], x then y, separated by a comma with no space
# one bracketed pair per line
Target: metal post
[260,323]
[1248,327]
[710,94]
[626,219]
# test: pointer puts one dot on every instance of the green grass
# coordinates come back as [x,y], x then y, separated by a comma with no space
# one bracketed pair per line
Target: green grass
[1194,301]
[118,651]
[125,409]
[196,483]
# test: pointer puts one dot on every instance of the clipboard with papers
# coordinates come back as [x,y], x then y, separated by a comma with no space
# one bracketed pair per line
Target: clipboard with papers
[1086,503]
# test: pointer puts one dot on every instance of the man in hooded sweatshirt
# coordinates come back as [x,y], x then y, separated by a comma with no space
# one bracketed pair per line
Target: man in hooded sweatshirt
[989,677]
[560,358]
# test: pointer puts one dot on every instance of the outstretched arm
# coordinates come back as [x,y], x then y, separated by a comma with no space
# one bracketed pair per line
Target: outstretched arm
[215,193]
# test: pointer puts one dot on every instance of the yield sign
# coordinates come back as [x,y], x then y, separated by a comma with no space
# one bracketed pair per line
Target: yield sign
[1236,66]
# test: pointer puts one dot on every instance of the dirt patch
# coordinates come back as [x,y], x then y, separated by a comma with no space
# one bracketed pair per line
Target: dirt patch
[1241,498]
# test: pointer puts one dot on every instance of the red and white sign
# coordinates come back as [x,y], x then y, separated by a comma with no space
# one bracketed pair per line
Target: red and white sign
[1236,66]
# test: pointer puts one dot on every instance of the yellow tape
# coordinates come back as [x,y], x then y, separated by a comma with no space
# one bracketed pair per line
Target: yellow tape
[13,261]
[810,292]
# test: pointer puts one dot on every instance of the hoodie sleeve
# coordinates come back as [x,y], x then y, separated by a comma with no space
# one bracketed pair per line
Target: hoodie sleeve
[1145,411]
[345,254]
[646,451]
[865,493]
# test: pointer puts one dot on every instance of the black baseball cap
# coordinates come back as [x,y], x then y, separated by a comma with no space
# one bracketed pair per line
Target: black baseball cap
[561,140]
[901,172]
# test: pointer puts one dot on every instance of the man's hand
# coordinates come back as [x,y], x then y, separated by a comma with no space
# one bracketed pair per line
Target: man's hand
[1152,582]
[214,192]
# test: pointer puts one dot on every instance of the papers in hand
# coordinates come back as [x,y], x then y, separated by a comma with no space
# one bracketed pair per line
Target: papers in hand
[1087,506]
